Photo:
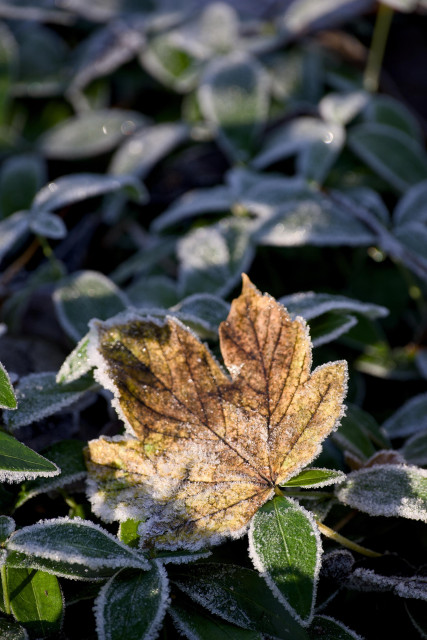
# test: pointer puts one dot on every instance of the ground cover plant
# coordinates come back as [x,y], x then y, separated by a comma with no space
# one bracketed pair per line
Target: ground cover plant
[213,320]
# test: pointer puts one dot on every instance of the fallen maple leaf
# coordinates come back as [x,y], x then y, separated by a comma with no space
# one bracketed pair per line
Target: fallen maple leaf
[204,450]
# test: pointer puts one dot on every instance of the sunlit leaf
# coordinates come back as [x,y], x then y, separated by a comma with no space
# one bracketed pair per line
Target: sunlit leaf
[204,450]
[315,478]
[7,394]
[18,462]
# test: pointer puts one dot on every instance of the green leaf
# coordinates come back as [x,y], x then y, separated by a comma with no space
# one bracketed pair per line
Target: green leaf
[132,604]
[415,449]
[386,110]
[85,295]
[89,134]
[197,624]
[68,456]
[74,541]
[35,600]
[234,96]
[285,547]
[239,596]
[392,154]
[18,462]
[7,527]
[352,435]
[48,225]
[7,394]
[39,396]
[315,478]
[408,419]
[128,532]
[329,327]
[76,365]
[387,490]
[12,630]
[330,629]
[20,179]
[74,571]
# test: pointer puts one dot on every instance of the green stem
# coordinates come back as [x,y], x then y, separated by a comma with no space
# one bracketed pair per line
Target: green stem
[333,535]
[376,52]
[48,253]
[5,589]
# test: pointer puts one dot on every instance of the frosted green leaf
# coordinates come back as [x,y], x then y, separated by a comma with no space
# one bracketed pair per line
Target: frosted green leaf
[21,177]
[285,547]
[342,108]
[330,629]
[12,630]
[152,292]
[7,527]
[371,202]
[415,449]
[68,456]
[76,365]
[85,295]
[315,478]
[40,396]
[234,97]
[35,600]
[314,220]
[198,624]
[330,327]
[70,189]
[386,110]
[212,258]
[208,310]
[412,206]
[409,419]
[138,154]
[197,202]
[48,225]
[413,237]
[239,596]
[362,579]
[12,230]
[357,432]
[18,462]
[387,490]
[132,604]
[311,305]
[75,541]
[7,394]
[314,141]
[392,154]
[89,134]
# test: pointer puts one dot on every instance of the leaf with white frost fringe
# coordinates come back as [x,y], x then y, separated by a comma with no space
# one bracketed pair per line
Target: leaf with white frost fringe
[409,587]
[11,630]
[196,623]
[414,449]
[204,450]
[312,305]
[315,478]
[85,295]
[285,547]
[18,462]
[327,627]
[76,364]
[238,595]
[39,396]
[68,456]
[411,207]
[7,394]
[408,419]
[132,604]
[75,541]
[387,490]
[7,527]
[48,225]
[35,600]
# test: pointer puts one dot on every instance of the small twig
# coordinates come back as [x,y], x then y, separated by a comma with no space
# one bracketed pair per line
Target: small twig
[371,78]
[19,263]
[333,535]
[5,589]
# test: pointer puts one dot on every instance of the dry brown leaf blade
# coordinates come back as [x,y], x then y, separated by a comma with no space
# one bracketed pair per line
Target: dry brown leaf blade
[205,450]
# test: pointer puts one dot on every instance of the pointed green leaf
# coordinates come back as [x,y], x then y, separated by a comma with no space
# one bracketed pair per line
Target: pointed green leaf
[314,478]
[20,178]
[128,532]
[18,462]
[68,456]
[239,596]
[76,365]
[7,394]
[7,527]
[285,547]
[35,600]
[75,542]
[132,604]
[330,629]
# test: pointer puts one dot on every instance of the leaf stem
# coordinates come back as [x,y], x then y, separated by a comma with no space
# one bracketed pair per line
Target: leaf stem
[330,533]
[5,589]
[378,43]
[48,252]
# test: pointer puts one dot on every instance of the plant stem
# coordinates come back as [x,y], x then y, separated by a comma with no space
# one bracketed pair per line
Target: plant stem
[5,589]
[371,77]
[330,533]
[48,253]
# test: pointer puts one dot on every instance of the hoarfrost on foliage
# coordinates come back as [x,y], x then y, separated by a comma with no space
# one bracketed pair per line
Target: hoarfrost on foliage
[409,419]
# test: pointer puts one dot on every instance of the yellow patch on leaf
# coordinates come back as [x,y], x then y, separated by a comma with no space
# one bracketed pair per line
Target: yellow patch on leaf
[206,449]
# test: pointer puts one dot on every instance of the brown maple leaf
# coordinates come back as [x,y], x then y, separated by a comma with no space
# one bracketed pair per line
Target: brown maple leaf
[205,450]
